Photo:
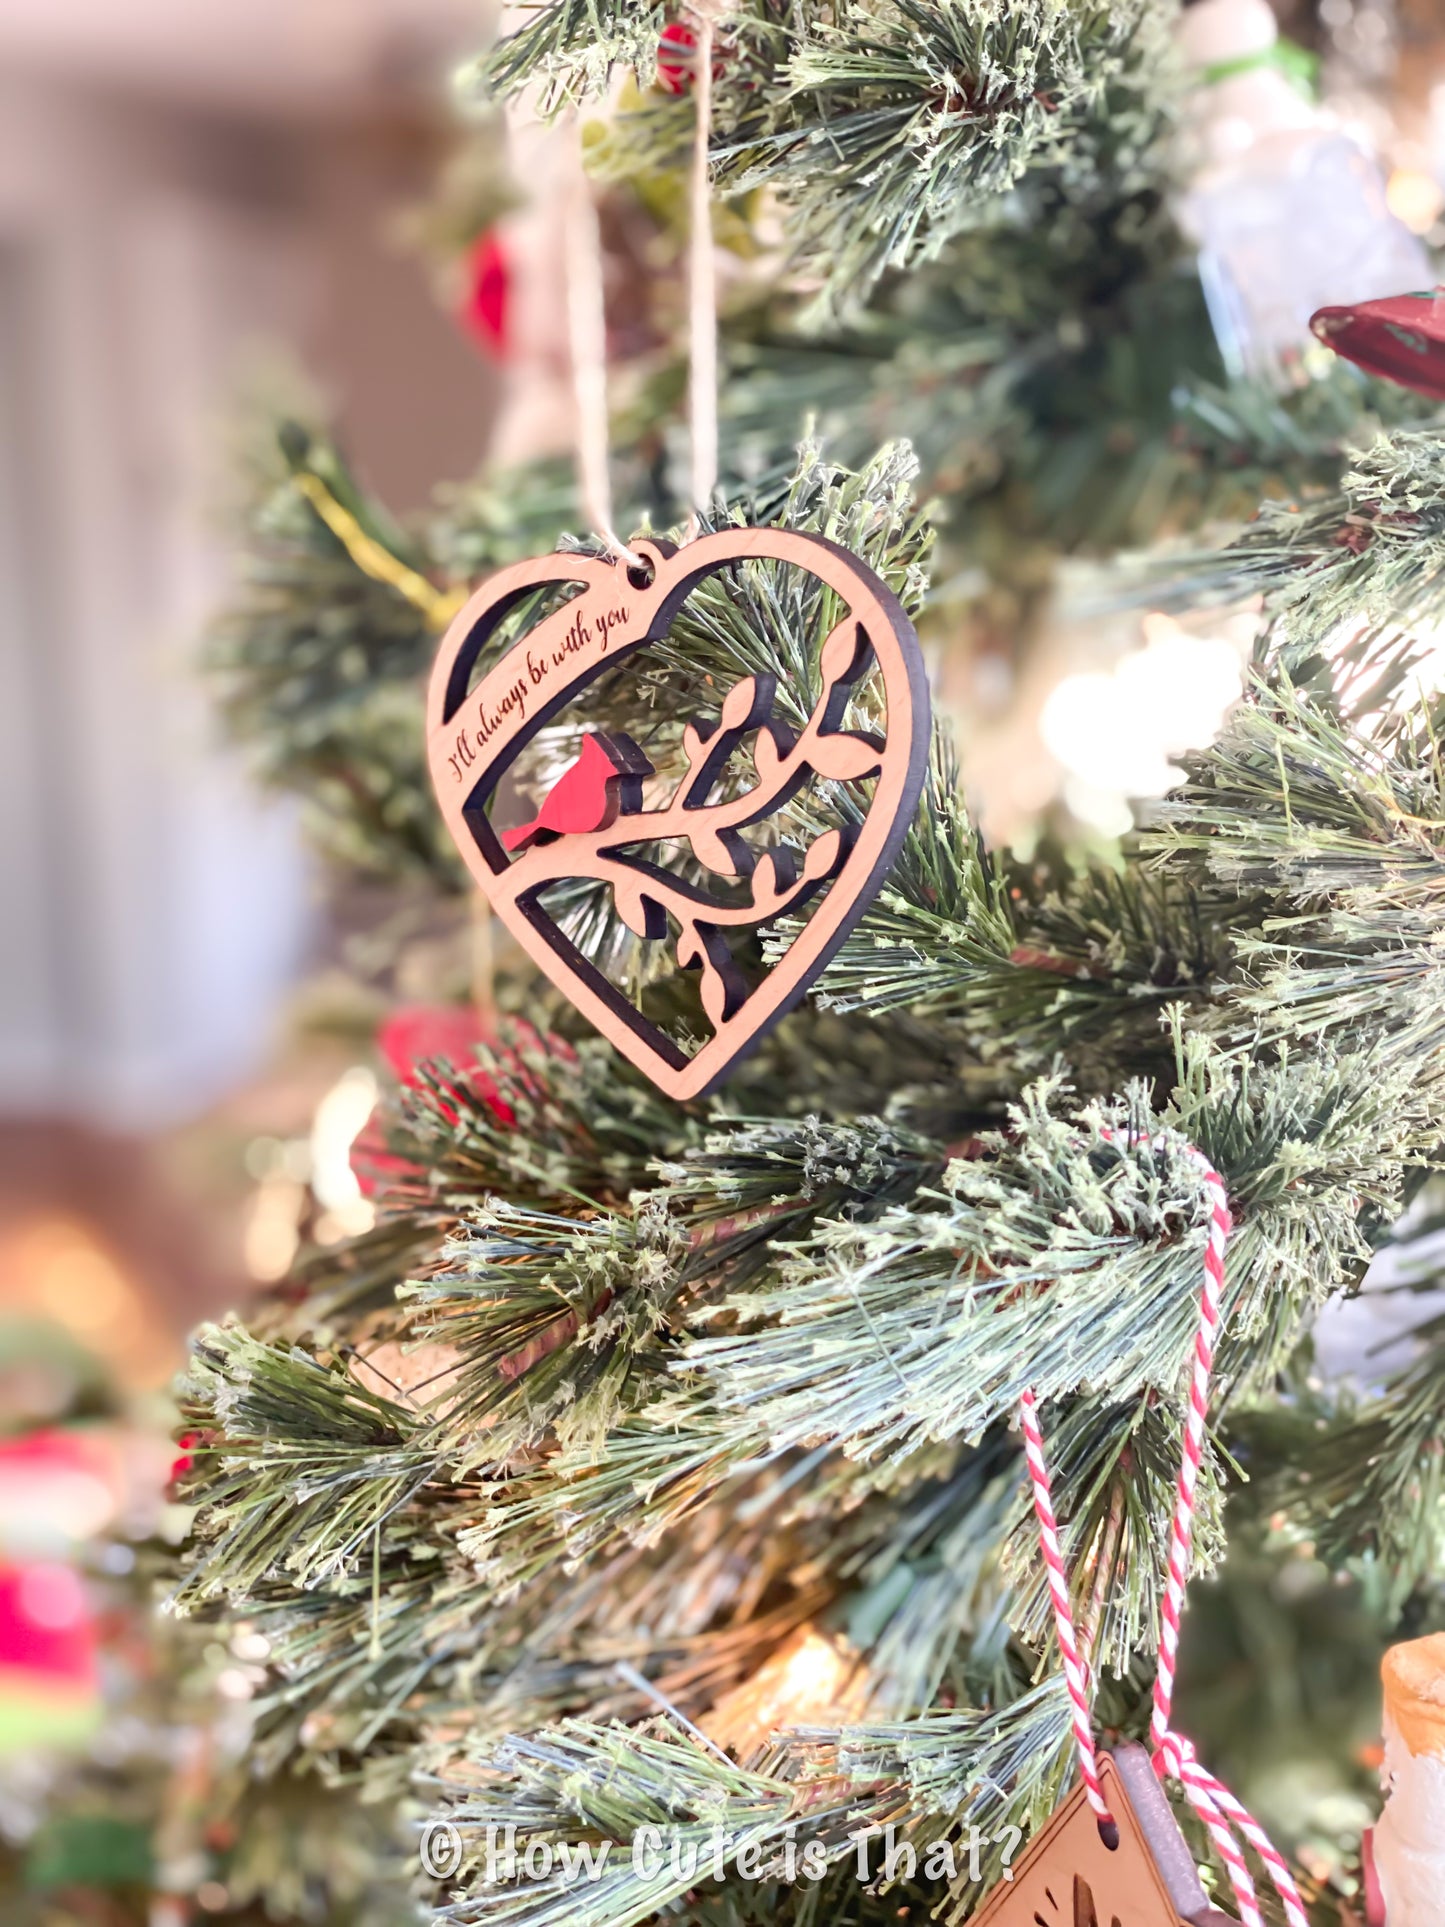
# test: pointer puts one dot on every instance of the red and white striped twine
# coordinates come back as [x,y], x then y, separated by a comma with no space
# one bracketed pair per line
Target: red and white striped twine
[1216,1806]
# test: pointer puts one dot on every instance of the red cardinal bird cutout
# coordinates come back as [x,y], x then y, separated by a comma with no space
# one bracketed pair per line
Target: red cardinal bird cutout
[604,783]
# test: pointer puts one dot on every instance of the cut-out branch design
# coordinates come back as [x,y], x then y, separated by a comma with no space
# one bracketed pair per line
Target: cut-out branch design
[607,823]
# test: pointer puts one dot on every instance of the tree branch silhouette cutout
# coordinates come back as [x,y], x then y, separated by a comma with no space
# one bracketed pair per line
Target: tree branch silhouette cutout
[647,897]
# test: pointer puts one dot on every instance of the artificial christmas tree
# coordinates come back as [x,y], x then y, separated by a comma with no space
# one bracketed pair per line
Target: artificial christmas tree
[711,1409]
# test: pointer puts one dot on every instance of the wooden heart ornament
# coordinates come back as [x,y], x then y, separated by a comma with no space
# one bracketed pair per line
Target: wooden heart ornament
[596,825]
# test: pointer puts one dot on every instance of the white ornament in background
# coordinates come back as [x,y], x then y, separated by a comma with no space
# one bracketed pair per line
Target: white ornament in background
[341,1116]
[1115,731]
[1229,114]
[1289,213]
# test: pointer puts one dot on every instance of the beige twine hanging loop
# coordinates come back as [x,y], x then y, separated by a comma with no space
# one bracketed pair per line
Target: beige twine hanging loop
[587,322]
[702,283]
[587,342]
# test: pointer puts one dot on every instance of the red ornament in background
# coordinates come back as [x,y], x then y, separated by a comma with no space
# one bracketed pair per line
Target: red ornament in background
[414,1035]
[59,1487]
[47,1629]
[1400,338]
[485,306]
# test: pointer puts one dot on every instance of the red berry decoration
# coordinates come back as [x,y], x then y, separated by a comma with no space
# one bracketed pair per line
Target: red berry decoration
[1400,338]
[677,58]
[418,1034]
[485,308]
[187,1445]
[675,50]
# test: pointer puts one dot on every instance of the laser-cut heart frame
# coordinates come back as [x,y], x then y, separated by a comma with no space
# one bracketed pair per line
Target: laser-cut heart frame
[473,736]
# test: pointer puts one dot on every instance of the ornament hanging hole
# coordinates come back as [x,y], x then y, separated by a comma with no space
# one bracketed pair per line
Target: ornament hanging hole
[1109,1834]
[641,574]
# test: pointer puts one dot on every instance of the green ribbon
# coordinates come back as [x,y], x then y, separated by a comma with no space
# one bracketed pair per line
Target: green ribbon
[1299,66]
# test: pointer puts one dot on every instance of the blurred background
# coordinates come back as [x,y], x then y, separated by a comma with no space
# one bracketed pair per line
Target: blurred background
[200,203]
[193,201]
[196,201]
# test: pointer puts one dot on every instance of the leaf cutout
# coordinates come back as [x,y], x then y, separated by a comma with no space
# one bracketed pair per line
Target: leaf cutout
[768,886]
[737,706]
[718,853]
[824,855]
[694,745]
[714,997]
[845,758]
[839,654]
[692,954]
[630,896]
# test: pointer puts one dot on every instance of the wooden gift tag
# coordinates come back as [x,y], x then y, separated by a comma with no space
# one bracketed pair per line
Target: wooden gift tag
[1069,1877]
